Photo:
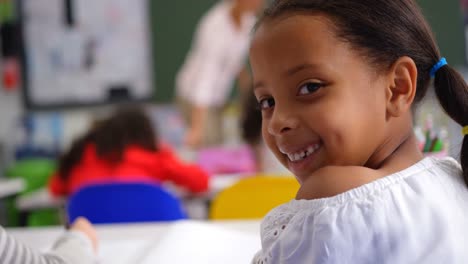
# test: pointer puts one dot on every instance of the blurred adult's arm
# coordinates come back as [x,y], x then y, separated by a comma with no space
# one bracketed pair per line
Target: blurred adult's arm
[210,48]
[194,134]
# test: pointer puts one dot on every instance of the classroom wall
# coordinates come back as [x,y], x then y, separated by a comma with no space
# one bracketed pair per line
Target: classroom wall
[445,18]
[173,23]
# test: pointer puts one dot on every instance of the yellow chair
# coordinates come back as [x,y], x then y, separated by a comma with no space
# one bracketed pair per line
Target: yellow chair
[253,197]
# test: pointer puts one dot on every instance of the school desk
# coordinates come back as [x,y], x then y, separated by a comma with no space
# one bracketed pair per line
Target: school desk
[186,241]
[10,187]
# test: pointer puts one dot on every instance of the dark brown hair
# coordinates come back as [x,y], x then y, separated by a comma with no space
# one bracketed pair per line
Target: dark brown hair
[383,31]
[251,120]
[127,126]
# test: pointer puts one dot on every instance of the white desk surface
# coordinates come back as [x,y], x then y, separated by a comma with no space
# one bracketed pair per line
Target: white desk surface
[10,187]
[163,243]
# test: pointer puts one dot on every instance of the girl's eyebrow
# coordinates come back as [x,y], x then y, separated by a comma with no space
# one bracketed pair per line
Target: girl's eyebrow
[290,72]
[300,67]
[257,85]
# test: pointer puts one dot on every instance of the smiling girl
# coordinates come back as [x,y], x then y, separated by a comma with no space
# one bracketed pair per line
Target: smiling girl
[337,82]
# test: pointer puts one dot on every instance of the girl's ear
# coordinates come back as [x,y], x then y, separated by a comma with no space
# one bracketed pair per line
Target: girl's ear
[401,87]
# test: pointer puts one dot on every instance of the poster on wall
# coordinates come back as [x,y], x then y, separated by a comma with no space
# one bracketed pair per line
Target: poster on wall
[83,52]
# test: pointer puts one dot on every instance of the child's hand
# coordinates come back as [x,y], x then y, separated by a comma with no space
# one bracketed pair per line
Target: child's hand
[83,225]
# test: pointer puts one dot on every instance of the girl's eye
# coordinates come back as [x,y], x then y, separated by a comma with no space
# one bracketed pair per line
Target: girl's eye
[309,88]
[266,103]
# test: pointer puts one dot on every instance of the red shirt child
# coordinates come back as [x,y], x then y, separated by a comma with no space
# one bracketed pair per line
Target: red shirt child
[137,164]
[123,147]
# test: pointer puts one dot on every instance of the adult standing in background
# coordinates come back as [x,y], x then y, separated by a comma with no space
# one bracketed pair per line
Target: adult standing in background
[216,58]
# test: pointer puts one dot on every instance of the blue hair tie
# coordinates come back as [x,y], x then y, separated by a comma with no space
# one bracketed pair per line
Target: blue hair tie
[441,63]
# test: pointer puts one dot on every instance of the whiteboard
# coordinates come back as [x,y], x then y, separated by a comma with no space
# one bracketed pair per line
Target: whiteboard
[85,52]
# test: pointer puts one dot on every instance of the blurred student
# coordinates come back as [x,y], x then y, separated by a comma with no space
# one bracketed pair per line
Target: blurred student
[251,132]
[123,147]
[76,246]
[251,127]
[215,60]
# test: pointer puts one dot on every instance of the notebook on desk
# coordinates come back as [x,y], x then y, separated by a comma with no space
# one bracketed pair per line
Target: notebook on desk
[202,243]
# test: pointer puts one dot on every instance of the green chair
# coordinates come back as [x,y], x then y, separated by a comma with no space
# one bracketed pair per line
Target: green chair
[36,173]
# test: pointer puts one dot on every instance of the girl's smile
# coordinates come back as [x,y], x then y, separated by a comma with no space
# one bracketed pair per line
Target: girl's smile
[301,154]
[303,158]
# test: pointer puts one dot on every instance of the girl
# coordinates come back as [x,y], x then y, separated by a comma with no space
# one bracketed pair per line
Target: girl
[337,81]
[123,147]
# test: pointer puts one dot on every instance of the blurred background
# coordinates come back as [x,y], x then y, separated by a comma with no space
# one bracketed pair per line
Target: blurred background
[66,64]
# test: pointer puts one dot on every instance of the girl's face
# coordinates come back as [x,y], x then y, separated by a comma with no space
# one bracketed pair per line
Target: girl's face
[322,103]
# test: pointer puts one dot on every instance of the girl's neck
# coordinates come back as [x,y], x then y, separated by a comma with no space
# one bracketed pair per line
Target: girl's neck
[403,156]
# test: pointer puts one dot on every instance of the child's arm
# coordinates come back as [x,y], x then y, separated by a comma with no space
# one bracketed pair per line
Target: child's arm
[76,246]
[189,176]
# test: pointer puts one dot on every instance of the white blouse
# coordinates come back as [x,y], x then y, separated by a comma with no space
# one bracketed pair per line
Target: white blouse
[217,55]
[418,215]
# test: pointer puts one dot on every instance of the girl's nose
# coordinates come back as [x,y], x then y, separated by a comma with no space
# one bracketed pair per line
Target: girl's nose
[282,121]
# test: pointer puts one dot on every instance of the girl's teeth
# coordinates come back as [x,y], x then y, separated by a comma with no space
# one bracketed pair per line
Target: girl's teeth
[303,154]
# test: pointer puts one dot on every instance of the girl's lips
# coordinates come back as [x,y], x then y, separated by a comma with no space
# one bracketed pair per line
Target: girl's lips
[296,153]
[297,167]
[297,156]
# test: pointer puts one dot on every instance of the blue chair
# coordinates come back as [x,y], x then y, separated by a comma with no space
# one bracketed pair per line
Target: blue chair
[124,202]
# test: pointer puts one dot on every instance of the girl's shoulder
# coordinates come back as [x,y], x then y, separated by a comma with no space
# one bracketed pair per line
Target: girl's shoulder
[424,175]
[426,196]
[333,180]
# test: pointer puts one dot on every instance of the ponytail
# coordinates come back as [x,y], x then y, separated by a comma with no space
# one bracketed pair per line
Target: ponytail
[452,92]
